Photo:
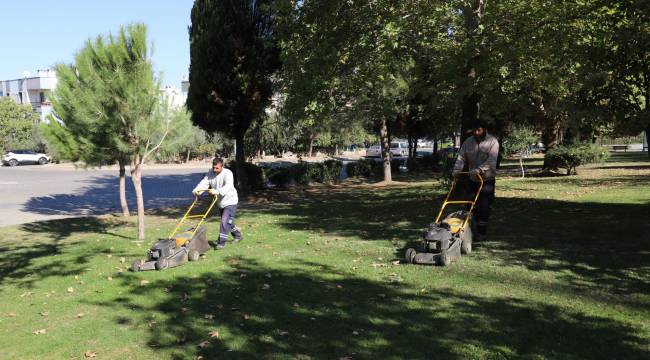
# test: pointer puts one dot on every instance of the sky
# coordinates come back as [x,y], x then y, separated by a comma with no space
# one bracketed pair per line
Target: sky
[38,34]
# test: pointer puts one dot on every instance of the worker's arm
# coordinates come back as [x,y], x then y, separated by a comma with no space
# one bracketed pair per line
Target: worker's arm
[204,184]
[228,184]
[489,166]
[460,160]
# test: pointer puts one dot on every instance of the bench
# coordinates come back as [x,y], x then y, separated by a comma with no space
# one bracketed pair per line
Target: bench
[619,147]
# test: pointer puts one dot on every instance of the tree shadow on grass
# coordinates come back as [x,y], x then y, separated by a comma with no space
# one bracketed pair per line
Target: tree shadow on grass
[25,261]
[306,311]
[592,245]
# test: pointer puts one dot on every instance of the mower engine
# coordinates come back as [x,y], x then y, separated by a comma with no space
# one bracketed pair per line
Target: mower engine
[443,242]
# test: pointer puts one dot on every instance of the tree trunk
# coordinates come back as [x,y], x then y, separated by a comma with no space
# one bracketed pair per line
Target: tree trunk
[435,146]
[123,203]
[521,164]
[187,156]
[240,181]
[311,144]
[385,149]
[136,177]
[472,14]
[647,138]
[415,148]
[410,143]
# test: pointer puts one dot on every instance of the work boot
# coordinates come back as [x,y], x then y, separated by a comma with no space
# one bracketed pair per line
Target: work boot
[220,247]
[237,235]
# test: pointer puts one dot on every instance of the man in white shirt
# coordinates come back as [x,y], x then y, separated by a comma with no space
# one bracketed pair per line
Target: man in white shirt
[478,155]
[222,181]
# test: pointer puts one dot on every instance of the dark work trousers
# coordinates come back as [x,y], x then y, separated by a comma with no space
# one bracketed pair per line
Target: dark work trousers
[484,204]
[228,214]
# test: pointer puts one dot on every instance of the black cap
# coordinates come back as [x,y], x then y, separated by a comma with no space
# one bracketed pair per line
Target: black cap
[480,123]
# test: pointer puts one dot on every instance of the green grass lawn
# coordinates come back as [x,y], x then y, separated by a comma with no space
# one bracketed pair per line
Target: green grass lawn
[565,274]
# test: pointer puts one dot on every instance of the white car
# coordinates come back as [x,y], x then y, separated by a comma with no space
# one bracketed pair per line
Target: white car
[15,157]
[399,148]
[373,151]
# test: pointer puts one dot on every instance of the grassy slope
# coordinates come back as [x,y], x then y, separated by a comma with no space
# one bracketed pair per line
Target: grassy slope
[566,274]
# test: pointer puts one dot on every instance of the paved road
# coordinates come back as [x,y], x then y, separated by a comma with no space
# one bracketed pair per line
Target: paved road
[33,192]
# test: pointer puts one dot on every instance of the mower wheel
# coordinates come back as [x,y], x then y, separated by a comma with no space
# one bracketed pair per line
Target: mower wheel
[193,255]
[135,267]
[409,255]
[466,247]
[162,264]
[445,259]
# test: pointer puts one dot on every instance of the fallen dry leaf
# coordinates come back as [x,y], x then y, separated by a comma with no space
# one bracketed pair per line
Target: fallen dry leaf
[208,316]
[44,313]
[70,290]
[266,287]
[109,256]
[90,354]
[396,262]
[122,260]
[144,282]
[80,315]
[109,278]
[167,289]
[204,344]
[184,309]
[214,334]
[242,275]
[283,333]
[11,314]
[246,316]
[39,331]
[376,265]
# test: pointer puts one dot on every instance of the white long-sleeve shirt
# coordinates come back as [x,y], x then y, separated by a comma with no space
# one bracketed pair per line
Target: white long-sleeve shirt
[481,155]
[223,183]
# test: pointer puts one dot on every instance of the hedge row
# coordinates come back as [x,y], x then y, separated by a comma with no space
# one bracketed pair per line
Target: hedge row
[304,173]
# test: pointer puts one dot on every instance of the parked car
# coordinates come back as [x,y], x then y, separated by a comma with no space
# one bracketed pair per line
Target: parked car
[15,157]
[373,151]
[399,148]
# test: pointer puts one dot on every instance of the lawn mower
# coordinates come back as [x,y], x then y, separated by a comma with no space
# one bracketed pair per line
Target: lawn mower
[445,240]
[179,248]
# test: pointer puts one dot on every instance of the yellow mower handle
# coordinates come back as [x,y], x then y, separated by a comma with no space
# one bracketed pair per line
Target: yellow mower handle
[202,216]
[471,203]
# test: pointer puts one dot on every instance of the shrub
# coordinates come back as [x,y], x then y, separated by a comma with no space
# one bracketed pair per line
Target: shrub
[305,172]
[279,176]
[364,168]
[254,175]
[571,156]
[425,163]
[331,170]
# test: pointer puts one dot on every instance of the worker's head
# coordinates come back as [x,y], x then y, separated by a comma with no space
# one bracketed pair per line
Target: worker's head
[479,129]
[217,165]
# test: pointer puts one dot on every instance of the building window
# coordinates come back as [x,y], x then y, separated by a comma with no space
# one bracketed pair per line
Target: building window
[42,95]
[20,97]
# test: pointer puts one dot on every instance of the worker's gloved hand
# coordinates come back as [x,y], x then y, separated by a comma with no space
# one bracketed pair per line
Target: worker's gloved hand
[197,192]
[474,175]
[213,192]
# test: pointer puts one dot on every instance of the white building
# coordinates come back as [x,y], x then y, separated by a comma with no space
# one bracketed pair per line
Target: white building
[175,97]
[32,90]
